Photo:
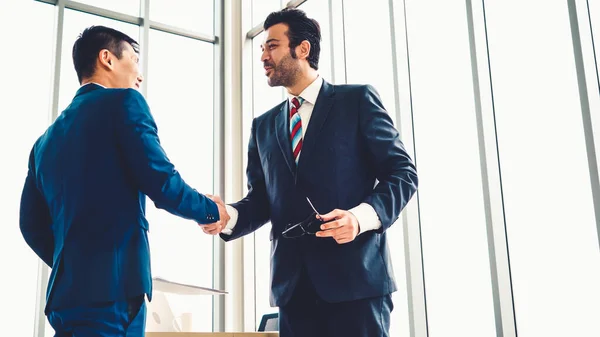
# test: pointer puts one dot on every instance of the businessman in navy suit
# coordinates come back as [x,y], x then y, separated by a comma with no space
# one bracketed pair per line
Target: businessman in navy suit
[336,146]
[83,203]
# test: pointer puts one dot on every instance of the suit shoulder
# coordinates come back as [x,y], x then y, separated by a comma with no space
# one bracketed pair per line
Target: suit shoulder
[124,95]
[354,89]
[37,143]
[131,93]
[351,87]
[35,149]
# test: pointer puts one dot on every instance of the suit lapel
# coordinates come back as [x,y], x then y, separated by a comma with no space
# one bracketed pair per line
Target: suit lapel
[317,119]
[281,131]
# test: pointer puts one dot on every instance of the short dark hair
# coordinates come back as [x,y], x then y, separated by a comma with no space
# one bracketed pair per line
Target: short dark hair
[91,41]
[300,28]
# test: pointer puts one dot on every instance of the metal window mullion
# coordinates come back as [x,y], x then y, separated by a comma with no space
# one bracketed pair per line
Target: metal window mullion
[257,29]
[585,97]
[218,162]
[143,19]
[43,269]
[413,251]
[247,110]
[144,43]
[502,294]
[235,318]
[295,3]
[39,329]
[183,32]
[74,5]
[51,2]
[338,45]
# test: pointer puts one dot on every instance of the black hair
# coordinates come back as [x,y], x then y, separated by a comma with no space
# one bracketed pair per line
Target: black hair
[91,41]
[300,28]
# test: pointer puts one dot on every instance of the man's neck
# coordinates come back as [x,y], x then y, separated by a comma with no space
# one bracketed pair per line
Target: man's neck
[304,81]
[100,81]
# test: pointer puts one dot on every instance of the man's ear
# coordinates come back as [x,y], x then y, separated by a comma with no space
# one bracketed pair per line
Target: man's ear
[106,59]
[303,49]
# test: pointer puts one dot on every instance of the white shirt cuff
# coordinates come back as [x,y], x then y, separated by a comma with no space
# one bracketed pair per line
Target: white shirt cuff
[233,215]
[368,220]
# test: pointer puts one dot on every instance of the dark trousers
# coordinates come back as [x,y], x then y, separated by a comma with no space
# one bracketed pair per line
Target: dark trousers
[306,315]
[114,319]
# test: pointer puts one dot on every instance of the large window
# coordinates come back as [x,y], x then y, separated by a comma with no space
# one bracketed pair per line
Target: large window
[179,74]
[264,98]
[455,250]
[552,234]
[130,7]
[369,55]
[180,94]
[262,8]
[24,99]
[194,15]
[364,66]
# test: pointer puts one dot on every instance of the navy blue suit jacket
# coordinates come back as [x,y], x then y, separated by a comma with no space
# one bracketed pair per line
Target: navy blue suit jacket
[349,144]
[83,203]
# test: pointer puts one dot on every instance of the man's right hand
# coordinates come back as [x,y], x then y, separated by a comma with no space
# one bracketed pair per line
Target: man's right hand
[217,227]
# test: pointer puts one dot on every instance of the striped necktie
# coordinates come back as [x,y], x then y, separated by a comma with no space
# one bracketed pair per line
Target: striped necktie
[296,127]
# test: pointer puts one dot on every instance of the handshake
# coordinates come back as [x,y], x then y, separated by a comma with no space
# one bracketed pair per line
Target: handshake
[341,225]
[217,227]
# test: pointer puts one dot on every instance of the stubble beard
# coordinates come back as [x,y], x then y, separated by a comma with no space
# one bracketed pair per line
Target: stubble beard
[284,74]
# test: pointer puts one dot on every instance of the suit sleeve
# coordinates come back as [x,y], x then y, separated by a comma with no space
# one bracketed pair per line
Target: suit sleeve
[394,169]
[35,221]
[149,167]
[253,210]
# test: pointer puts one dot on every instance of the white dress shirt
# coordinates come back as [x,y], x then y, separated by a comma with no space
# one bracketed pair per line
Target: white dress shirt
[364,213]
[92,83]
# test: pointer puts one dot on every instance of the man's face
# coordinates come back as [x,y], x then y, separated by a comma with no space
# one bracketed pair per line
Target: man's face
[126,71]
[280,67]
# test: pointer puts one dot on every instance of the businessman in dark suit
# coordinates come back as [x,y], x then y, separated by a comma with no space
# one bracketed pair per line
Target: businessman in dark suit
[335,145]
[83,203]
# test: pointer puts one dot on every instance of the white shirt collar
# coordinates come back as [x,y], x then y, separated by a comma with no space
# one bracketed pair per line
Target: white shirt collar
[310,93]
[98,84]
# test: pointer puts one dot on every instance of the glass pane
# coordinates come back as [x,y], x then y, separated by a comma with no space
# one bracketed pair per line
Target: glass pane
[551,228]
[195,15]
[130,7]
[262,8]
[264,98]
[75,22]
[400,322]
[25,100]
[180,95]
[361,19]
[319,10]
[453,224]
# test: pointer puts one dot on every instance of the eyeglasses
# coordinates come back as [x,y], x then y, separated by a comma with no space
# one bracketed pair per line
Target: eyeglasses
[308,226]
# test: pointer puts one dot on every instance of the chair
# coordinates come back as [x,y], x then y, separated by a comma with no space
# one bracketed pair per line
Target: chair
[269,322]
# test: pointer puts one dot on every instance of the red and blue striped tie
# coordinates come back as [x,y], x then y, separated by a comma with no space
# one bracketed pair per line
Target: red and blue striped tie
[296,127]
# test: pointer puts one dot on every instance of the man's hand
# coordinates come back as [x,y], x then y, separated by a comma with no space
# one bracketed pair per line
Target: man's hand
[343,229]
[217,227]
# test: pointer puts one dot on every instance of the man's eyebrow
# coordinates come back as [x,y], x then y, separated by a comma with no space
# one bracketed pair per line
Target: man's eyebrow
[271,40]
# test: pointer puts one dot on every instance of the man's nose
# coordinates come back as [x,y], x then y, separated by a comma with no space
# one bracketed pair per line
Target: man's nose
[264,56]
[140,78]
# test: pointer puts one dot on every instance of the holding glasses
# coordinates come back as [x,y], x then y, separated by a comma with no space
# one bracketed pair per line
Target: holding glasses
[308,226]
